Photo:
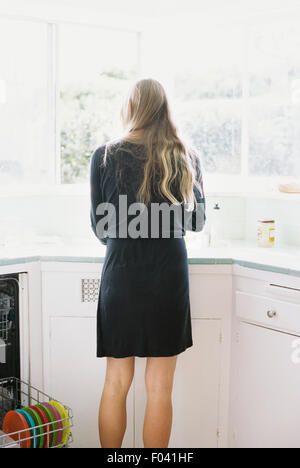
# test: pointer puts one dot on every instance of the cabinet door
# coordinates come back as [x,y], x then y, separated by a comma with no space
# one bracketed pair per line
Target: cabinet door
[266,399]
[195,393]
[77,377]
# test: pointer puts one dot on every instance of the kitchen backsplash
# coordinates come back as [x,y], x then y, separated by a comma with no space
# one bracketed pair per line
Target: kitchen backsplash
[25,218]
[285,212]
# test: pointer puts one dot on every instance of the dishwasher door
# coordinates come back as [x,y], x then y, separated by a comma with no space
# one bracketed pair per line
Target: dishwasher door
[9,326]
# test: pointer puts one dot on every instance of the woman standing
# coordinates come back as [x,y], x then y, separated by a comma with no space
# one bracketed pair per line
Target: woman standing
[144,306]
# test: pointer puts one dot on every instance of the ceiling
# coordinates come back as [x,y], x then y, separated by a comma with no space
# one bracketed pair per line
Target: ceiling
[163,8]
[143,11]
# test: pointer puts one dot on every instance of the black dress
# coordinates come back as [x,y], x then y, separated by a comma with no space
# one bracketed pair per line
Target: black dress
[144,305]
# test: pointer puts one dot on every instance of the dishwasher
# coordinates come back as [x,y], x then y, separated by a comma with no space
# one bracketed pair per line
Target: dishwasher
[9,334]
[9,326]
[18,397]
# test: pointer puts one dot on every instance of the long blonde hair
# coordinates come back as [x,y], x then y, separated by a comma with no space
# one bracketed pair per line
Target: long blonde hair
[147,120]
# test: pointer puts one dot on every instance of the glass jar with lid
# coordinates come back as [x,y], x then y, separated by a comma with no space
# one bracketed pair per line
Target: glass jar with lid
[266,232]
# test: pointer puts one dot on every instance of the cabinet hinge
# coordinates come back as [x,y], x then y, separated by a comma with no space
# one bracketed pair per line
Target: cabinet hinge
[221,338]
[218,434]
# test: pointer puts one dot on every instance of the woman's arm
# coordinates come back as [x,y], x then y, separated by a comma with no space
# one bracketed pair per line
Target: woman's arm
[196,219]
[96,188]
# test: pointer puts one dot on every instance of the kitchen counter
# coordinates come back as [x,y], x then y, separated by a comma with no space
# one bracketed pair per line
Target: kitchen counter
[285,259]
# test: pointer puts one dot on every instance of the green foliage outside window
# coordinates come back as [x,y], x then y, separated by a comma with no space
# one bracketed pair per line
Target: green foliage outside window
[89,113]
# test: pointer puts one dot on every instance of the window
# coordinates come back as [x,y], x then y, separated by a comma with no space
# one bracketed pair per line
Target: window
[24,103]
[96,66]
[274,99]
[236,95]
[237,92]
[208,95]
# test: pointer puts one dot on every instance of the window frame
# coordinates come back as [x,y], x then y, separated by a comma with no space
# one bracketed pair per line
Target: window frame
[53,90]
[233,185]
[56,40]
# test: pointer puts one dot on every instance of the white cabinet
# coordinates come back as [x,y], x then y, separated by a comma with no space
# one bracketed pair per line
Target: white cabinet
[196,394]
[73,373]
[196,390]
[201,381]
[77,377]
[265,379]
[245,325]
[266,394]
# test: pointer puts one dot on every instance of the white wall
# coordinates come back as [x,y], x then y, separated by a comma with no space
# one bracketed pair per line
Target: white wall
[135,12]
[68,217]
[75,11]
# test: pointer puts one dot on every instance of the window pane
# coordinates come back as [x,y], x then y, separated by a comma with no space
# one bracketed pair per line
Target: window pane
[96,66]
[274,99]
[25,153]
[214,127]
[208,95]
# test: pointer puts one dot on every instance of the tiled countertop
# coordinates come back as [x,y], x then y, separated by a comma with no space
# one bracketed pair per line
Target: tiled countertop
[284,260]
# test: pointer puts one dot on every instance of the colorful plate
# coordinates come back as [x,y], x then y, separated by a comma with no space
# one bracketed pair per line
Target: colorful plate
[31,423]
[66,421]
[45,438]
[59,424]
[38,422]
[13,422]
[53,426]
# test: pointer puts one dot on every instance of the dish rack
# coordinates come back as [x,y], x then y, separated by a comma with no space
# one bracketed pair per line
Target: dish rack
[15,394]
[4,327]
[5,308]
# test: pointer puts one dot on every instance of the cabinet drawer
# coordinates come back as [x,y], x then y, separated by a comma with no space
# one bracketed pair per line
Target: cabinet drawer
[268,312]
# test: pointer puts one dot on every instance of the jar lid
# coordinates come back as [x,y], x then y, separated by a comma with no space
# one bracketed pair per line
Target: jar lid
[266,221]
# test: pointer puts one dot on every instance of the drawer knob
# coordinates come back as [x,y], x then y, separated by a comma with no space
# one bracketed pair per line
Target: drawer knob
[271,313]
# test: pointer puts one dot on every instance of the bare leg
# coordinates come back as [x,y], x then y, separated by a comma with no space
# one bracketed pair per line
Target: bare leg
[112,410]
[158,416]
